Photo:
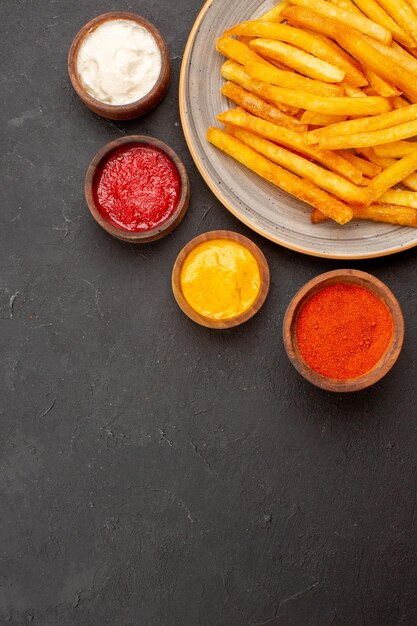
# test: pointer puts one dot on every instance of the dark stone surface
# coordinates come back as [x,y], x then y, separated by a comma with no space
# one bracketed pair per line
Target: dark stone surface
[152,472]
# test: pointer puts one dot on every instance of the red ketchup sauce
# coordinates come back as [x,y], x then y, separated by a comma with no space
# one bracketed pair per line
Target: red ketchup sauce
[138,188]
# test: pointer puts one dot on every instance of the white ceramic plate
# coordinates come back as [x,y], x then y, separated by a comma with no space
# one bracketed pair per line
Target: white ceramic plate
[261,206]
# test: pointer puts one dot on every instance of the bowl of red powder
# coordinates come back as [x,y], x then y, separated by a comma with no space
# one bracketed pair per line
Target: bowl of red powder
[137,189]
[344,330]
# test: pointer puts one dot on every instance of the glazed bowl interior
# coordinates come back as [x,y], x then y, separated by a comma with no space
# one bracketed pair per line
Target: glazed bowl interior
[347,277]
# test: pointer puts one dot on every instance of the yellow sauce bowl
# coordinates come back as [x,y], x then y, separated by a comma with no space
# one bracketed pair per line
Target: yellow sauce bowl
[220,279]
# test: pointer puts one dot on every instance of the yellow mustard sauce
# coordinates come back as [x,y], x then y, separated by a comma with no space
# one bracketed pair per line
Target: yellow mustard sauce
[220,279]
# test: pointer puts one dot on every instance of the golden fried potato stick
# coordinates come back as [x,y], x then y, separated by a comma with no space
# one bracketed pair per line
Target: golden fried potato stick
[255,105]
[235,73]
[380,86]
[413,4]
[386,213]
[319,119]
[377,14]
[245,40]
[395,150]
[401,198]
[366,167]
[301,189]
[329,106]
[353,92]
[242,54]
[274,14]
[324,179]
[292,140]
[367,140]
[372,58]
[317,217]
[298,60]
[403,14]
[270,74]
[302,17]
[365,124]
[389,214]
[317,45]
[409,181]
[347,5]
[347,18]
[237,50]
[392,175]
[400,57]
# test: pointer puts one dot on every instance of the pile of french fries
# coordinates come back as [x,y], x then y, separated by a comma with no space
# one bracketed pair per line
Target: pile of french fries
[326,95]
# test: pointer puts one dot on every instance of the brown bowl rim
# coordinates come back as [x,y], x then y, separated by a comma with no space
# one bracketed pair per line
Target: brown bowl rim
[263,269]
[138,107]
[387,361]
[149,235]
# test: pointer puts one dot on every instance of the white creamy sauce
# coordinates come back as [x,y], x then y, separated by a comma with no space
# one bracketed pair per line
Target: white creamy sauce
[119,62]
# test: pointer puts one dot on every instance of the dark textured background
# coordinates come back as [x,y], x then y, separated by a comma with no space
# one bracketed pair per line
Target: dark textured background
[152,472]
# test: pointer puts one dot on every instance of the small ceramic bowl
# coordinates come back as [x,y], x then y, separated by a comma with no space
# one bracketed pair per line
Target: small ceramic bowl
[350,277]
[133,109]
[148,235]
[235,321]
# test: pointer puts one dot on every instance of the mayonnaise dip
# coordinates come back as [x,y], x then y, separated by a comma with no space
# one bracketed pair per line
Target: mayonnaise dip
[119,62]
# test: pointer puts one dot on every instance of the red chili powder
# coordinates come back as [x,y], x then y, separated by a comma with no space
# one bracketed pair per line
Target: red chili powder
[343,331]
[138,188]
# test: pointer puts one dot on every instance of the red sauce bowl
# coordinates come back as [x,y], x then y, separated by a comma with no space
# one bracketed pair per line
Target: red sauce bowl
[347,277]
[95,169]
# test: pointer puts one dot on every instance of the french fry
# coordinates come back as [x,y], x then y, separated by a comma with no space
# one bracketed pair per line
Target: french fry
[389,214]
[398,102]
[292,140]
[274,14]
[372,58]
[413,3]
[400,57]
[318,46]
[317,217]
[380,86]
[395,150]
[290,80]
[236,50]
[393,175]
[347,18]
[409,181]
[347,5]
[403,14]
[245,40]
[370,91]
[386,213]
[365,124]
[377,14]
[242,54]
[347,63]
[303,17]
[353,92]
[367,140]
[366,167]
[322,178]
[319,119]
[322,104]
[401,198]
[255,105]
[301,189]
[235,73]
[298,60]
